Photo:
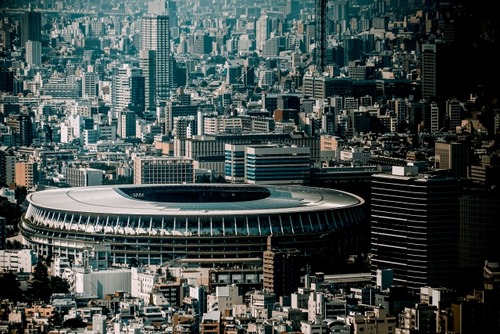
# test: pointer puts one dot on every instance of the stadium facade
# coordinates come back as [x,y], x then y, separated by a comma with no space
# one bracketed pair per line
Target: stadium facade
[203,223]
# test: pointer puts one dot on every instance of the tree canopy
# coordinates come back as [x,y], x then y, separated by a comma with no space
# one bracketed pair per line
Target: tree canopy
[8,279]
[11,212]
[39,286]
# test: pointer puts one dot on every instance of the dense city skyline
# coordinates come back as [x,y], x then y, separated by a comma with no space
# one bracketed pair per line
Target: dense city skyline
[236,167]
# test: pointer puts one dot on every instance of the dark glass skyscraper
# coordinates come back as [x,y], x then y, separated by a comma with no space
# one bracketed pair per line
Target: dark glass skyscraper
[479,229]
[415,228]
[31,28]
[23,129]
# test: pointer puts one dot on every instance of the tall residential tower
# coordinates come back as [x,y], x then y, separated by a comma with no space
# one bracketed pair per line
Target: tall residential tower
[155,36]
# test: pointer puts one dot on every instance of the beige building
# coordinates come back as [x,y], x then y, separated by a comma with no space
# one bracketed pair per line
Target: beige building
[453,157]
[331,143]
[330,147]
[224,299]
[26,174]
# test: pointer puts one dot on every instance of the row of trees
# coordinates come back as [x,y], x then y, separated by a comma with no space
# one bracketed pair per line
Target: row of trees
[40,285]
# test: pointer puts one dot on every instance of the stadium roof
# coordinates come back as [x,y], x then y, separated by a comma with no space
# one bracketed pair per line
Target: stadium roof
[192,199]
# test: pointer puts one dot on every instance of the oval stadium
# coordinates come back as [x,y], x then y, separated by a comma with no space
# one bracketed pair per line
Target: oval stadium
[205,223]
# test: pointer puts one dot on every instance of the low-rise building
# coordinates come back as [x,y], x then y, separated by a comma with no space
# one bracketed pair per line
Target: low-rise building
[371,320]
[21,260]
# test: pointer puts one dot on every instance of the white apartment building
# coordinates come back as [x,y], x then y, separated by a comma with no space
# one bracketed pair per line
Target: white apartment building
[219,125]
[163,170]
[355,155]
[34,53]
[83,177]
[101,283]
[142,282]
[59,265]
[19,260]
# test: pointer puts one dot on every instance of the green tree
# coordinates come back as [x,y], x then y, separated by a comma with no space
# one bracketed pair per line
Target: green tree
[133,262]
[58,285]
[11,212]
[220,179]
[74,323]
[21,193]
[9,279]
[56,319]
[120,179]
[38,286]
[13,244]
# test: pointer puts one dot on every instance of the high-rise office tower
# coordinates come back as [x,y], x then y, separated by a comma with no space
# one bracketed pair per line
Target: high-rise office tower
[453,157]
[429,69]
[147,63]
[352,48]
[414,227]
[127,89]
[172,13]
[200,43]
[127,124]
[380,22]
[137,88]
[440,77]
[453,111]
[89,84]
[401,110]
[120,92]
[479,230]
[7,165]
[155,35]
[281,269]
[5,36]
[292,9]
[6,79]
[276,164]
[34,53]
[22,127]
[329,121]
[31,27]
[340,10]
[262,31]
[435,117]
[415,111]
